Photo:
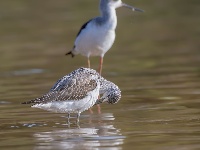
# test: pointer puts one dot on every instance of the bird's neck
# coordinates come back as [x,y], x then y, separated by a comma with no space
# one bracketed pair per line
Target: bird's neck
[109,17]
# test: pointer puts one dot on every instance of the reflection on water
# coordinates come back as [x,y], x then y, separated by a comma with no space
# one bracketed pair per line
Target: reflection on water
[94,132]
[87,136]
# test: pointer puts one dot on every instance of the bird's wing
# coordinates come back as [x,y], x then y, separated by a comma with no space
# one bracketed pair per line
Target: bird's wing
[76,91]
[79,32]
[64,82]
[83,27]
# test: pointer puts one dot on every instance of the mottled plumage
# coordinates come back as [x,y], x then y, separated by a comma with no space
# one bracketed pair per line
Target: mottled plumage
[77,92]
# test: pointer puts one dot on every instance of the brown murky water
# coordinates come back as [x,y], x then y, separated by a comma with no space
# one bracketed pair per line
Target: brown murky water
[155,62]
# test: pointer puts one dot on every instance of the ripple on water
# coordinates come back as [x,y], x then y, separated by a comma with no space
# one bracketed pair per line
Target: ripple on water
[22,125]
[94,132]
[4,102]
[84,138]
[23,72]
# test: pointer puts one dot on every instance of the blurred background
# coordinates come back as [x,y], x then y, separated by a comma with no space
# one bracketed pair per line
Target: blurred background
[154,60]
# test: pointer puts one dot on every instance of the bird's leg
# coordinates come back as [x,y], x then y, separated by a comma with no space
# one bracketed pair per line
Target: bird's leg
[100,71]
[68,118]
[88,62]
[90,110]
[100,65]
[78,115]
[98,107]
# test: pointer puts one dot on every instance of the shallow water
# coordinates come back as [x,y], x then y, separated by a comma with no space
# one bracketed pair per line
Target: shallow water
[155,62]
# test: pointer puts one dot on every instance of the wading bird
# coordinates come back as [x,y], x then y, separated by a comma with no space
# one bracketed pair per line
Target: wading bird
[97,35]
[77,92]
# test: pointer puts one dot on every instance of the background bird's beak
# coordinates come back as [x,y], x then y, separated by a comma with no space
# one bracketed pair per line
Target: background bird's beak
[131,7]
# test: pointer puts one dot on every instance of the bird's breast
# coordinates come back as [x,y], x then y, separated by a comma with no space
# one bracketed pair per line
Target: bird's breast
[95,40]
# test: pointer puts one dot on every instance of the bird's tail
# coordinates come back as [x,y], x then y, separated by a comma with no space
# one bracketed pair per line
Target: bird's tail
[70,53]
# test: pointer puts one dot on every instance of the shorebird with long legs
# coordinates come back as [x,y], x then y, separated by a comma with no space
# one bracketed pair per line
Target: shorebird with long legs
[97,35]
[77,92]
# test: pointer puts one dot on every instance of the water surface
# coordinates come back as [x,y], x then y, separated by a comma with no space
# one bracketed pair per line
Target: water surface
[155,62]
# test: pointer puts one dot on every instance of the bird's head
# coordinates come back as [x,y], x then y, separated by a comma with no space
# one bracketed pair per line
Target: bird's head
[111,97]
[118,3]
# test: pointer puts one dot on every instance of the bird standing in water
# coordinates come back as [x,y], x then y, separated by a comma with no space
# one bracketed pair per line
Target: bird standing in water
[97,35]
[77,92]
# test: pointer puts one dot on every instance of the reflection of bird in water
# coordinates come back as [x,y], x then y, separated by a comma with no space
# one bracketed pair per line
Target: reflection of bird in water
[89,136]
[97,35]
[77,92]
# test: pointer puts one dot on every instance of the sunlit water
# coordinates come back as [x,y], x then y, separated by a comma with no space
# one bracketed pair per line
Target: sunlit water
[155,62]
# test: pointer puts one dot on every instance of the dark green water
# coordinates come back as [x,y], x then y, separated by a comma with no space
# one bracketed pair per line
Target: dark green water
[155,62]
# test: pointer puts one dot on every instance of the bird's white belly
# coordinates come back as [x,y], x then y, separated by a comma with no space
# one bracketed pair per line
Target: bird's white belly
[70,106]
[94,41]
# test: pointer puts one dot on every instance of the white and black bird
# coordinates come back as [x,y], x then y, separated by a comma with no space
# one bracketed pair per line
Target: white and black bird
[97,35]
[77,92]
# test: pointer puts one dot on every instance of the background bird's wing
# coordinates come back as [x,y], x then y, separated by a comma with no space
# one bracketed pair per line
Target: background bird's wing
[83,27]
[76,91]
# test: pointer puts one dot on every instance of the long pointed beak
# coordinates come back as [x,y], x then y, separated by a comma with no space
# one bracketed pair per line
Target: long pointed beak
[132,8]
